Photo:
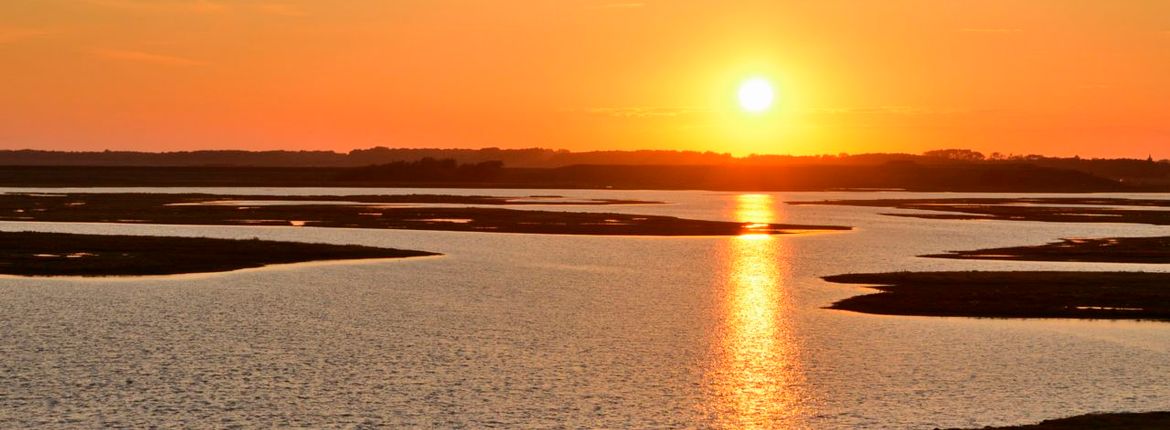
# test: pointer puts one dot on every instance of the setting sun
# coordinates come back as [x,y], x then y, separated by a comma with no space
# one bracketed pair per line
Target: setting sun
[755,95]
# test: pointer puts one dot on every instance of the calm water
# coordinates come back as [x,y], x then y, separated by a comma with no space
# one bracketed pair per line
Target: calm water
[547,331]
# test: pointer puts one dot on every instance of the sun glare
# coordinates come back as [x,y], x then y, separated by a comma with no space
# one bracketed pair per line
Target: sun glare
[755,95]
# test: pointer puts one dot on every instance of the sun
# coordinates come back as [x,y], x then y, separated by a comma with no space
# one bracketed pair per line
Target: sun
[755,95]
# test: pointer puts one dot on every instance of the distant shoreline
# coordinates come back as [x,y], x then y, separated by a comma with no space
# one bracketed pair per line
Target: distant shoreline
[954,177]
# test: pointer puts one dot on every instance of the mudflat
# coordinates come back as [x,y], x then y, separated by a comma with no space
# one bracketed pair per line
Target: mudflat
[425,212]
[62,254]
[1149,250]
[1112,421]
[1092,295]
[1050,209]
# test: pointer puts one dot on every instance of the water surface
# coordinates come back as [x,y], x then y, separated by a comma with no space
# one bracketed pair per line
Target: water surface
[514,330]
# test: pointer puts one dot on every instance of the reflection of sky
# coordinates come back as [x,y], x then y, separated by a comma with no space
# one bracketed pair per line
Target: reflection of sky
[756,368]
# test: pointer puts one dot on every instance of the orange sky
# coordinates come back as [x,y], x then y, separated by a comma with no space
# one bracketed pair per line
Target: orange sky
[1059,77]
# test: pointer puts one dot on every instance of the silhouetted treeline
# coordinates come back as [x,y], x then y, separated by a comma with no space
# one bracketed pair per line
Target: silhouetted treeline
[1134,172]
[908,175]
[904,175]
[426,170]
[397,164]
[29,157]
[530,157]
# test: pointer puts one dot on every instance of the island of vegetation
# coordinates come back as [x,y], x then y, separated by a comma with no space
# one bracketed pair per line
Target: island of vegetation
[1092,295]
[1052,209]
[1150,250]
[1111,421]
[63,254]
[426,212]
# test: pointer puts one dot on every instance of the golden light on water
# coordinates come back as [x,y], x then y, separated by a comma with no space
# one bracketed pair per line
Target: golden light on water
[756,367]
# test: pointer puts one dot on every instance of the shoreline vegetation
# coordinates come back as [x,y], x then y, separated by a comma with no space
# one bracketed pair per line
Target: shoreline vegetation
[937,170]
[64,254]
[1051,209]
[1098,421]
[1147,250]
[811,176]
[1087,295]
[374,212]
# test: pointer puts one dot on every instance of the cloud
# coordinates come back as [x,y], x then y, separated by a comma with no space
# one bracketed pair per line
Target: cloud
[202,7]
[12,34]
[145,57]
[629,5]
[194,6]
[169,6]
[990,30]
[905,111]
[872,110]
[644,111]
[892,111]
[281,9]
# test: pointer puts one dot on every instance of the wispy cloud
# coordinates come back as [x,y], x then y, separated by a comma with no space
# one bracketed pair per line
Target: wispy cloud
[282,9]
[990,30]
[186,6]
[205,7]
[893,111]
[872,110]
[644,111]
[145,57]
[625,5]
[13,34]
[650,112]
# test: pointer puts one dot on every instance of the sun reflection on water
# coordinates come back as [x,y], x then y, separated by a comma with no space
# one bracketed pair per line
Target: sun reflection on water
[756,373]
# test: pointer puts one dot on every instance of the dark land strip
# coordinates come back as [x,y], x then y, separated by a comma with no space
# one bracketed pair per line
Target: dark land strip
[1091,295]
[1110,421]
[63,254]
[389,199]
[910,176]
[1024,209]
[1149,250]
[184,209]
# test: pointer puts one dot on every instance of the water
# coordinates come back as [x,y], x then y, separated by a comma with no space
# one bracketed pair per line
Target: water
[551,331]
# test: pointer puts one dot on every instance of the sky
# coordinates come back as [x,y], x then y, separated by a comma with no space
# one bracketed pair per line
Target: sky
[1053,77]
